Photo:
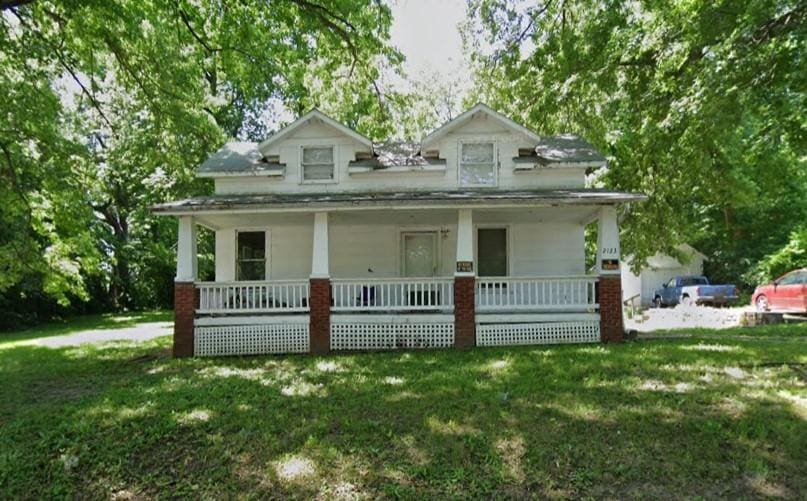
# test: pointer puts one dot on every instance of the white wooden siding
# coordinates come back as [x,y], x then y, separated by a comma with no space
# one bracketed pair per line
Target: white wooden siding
[536,249]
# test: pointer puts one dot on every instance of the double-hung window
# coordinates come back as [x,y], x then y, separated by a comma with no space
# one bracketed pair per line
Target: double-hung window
[251,258]
[318,164]
[477,165]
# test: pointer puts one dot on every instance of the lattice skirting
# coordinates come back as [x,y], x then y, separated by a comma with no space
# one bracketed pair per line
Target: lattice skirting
[502,334]
[389,336]
[251,339]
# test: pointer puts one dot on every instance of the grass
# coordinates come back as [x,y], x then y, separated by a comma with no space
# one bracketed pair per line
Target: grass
[717,414]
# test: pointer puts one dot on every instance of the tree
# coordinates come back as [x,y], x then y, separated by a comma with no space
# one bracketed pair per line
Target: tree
[701,105]
[110,105]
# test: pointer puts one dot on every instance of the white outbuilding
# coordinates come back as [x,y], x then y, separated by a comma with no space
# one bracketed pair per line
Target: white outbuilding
[659,269]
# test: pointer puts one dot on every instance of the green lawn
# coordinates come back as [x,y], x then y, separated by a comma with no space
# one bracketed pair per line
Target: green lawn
[712,415]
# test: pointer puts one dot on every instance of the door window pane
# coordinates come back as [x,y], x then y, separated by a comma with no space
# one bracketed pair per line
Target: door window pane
[491,246]
[477,165]
[251,257]
[318,164]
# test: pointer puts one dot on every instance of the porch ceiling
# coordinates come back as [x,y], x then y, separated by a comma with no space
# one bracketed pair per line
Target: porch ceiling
[279,202]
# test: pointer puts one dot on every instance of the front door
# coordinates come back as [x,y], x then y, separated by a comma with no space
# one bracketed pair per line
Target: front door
[419,253]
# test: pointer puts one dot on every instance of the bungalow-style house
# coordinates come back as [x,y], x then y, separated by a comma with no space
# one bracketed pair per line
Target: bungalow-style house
[326,241]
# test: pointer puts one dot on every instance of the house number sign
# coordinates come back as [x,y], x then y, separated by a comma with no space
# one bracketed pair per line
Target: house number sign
[610,264]
[465,266]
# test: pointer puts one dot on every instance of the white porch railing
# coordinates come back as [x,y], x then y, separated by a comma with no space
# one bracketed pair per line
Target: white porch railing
[277,296]
[495,294]
[393,294]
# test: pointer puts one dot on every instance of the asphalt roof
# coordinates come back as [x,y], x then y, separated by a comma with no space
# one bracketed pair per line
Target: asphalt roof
[566,148]
[397,154]
[318,201]
[235,157]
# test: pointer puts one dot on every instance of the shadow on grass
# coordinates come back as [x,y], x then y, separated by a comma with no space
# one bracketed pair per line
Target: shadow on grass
[674,418]
[88,322]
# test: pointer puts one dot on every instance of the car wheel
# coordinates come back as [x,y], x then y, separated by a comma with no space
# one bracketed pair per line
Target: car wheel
[686,300]
[657,302]
[762,303]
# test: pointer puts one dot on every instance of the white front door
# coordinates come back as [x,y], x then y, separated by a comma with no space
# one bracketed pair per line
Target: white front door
[419,253]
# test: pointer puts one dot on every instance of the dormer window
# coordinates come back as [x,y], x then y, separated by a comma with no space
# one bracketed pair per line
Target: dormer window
[477,165]
[317,164]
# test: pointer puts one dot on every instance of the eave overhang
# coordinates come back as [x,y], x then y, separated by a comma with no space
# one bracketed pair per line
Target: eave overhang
[218,204]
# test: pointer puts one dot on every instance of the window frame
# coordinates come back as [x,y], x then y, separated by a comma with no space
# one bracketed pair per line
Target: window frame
[495,164]
[333,179]
[267,254]
[508,242]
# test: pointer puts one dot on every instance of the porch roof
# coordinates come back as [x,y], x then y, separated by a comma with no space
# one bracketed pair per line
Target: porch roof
[309,202]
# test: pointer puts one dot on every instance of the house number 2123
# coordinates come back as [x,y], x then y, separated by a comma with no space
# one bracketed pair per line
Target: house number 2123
[609,251]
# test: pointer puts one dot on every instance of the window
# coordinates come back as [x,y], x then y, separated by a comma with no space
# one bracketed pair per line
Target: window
[477,165]
[317,164]
[793,278]
[250,261]
[491,247]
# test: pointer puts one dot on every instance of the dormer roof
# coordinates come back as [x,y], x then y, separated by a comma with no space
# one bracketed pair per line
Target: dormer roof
[314,114]
[466,116]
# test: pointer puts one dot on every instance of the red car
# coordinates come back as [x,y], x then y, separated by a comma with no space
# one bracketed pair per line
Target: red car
[786,293]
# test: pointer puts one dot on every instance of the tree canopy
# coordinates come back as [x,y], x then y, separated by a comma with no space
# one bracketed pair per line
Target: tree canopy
[701,105]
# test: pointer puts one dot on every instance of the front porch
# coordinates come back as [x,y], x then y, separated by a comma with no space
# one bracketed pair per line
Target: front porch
[397,278]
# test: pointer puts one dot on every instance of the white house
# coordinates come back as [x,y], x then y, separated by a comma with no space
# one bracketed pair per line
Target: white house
[659,269]
[327,241]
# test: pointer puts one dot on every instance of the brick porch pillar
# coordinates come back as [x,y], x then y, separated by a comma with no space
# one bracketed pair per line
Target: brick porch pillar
[464,312]
[609,296]
[465,283]
[320,315]
[186,298]
[609,287]
[319,299]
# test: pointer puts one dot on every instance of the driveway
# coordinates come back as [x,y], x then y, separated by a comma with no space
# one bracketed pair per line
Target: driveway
[686,317]
[140,332]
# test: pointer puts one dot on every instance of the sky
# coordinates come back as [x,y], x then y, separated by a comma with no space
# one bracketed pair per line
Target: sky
[427,33]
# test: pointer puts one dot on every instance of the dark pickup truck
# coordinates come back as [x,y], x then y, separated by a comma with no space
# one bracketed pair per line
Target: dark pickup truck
[693,290]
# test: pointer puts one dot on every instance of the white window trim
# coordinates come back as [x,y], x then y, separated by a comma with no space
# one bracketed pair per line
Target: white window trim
[267,252]
[508,237]
[495,163]
[438,251]
[335,165]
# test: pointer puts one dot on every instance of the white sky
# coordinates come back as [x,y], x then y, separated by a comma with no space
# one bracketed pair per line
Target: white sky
[427,32]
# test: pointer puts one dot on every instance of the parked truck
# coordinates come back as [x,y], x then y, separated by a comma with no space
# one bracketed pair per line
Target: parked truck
[693,290]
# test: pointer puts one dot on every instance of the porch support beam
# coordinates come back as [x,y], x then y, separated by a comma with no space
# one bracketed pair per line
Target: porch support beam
[186,250]
[185,294]
[609,287]
[319,257]
[465,283]
[320,288]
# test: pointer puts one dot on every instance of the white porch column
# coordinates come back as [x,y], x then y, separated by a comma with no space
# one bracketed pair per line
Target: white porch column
[319,257]
[465,244]
[186,250]
[608,253]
